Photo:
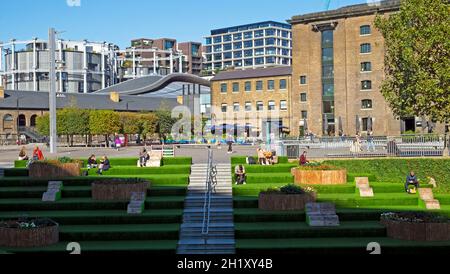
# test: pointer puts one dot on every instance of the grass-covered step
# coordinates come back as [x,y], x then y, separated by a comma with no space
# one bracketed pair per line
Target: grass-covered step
[158,202]
[262,178]
[254,189]
[256,215]
[81,191]
[241,160]
[100,217]
[156,247]
[277,230]
[155,179]
[337,245]
[353,200]
[444,199]
[119,232]
[245,202]
[279,168]
[392,187]
[131,162]
[16,172]
[179,169]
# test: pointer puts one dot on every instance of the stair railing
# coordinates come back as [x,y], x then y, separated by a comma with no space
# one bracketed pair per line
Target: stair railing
[211,183]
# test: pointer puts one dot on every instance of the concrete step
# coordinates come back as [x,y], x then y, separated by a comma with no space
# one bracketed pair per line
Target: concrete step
[207,241]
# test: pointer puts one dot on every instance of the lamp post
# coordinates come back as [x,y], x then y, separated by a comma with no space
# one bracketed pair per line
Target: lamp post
[52,92]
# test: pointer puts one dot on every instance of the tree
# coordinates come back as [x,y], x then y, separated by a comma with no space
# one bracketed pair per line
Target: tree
[165,120]
[417,59]
[43,124]
[130,123]
[104,122]
[149,123]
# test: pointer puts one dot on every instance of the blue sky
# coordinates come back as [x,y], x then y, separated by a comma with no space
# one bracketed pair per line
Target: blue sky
[119,21]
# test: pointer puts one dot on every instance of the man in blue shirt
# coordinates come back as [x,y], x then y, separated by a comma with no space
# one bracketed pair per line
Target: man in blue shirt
[411,179]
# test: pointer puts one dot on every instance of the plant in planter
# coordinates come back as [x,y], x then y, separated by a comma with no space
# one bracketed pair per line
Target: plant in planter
[63,167]
[289,197]
[118,189]
[319,174]
[28,233]
[414,226]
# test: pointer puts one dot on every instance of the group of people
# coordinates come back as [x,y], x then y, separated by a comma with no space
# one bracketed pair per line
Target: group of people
[357,143]
[265,157]
[103,166]
[37,155]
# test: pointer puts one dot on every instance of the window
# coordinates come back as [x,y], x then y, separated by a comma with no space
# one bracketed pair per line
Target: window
[328,106]
[227,38]
[236,107]
[235,87]
[259,43]
[303,80]
[248,62]
[248,106]
[248,44]
[283,84]
[270,32]
[217,39]
[283,105]
[259,61]
[259,52]
[227,47]
[237,45]
[248,86]
[327,54]
[366,104]
[365,124]
[237,36]
[270,85]
[223,88]
[227,55]
[259,106]
[259,33]
[366,66]
[259,85]
[366,85]
[270,60]
[365,30]
[366,48]
[237,54]
[224,107]
[270,41]
[271,105]
[304,114]
[248,35]
[303,97]
[248,53]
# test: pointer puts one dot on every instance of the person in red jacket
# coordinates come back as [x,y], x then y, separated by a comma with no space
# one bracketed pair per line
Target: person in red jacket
[37,154]
[303,160]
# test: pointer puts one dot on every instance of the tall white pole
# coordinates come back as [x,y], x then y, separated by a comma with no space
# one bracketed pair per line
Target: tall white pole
[13,65]
[85,68]
[34,65]
[154,62]
[134,63]
[60,46]
[1,59]
[52,93]
[103,67]
[171,63]
[180,70]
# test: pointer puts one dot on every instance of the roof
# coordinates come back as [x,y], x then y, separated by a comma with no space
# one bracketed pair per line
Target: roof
[348,11]
[157,85]
[39,100]
[253,73]
[247,27]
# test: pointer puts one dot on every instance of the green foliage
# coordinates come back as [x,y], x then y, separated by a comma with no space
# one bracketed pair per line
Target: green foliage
[130,123]
[43,124]
[417,59]
[104,122]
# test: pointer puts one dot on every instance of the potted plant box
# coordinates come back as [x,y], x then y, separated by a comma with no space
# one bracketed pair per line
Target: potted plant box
[34,233]
[416,226]
[61,168]
[117,189]
[319,175]
[287,198]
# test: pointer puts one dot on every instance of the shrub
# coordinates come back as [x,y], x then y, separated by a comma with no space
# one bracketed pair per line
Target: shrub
[289,189]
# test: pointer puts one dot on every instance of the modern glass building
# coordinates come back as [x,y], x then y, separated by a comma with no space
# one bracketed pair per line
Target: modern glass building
[255,45]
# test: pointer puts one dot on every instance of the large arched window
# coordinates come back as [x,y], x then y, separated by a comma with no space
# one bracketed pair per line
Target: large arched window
[22,120]
[33,120]
[8,122]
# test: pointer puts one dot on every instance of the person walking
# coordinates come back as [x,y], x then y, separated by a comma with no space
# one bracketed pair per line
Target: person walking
[230,141]
[370,142]
[117,142]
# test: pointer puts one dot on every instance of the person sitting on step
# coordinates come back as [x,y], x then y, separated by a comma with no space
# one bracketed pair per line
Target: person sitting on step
[240,174]
[92,162]
[411,179]
[104,165]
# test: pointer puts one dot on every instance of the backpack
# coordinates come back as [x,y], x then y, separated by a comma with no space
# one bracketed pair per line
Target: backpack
[251,161]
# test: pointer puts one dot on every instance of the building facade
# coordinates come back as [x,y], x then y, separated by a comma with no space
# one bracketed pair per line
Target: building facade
[82,66]
[337,72]
[254,99]
[255,45]
[193,57]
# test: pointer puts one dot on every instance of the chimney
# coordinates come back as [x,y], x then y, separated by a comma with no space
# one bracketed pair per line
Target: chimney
[114,96]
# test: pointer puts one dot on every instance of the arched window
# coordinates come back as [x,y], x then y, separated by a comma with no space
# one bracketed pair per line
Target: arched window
[8,122]
[366,104]
[366,48]
[365,30]
[366,85]
[33,120]
[22,120]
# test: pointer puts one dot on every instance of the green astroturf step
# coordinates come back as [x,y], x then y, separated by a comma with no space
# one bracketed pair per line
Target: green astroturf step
[180,169]
[272,230]
[100,217]
[119,232]
[163,202]
[444,199]
[101,247]
[156,180]
[80,191]
[340,246]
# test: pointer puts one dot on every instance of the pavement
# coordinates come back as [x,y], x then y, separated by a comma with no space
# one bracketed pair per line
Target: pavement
[199,153]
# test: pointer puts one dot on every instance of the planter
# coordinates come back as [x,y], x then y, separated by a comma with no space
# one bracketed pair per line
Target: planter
[12,236]
[54,170]
[285,202]
[117,190]
[417,231]
[319,177]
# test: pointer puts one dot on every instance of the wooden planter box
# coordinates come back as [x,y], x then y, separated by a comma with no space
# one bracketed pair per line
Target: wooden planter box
[54,170]
[111,190]
[417,231]
[319,177]
[29,237]
[285,202]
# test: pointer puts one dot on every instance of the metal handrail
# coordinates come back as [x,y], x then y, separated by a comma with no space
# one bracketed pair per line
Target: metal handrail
[211,182]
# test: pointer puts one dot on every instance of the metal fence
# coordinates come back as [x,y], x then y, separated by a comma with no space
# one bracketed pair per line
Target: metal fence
[379,146]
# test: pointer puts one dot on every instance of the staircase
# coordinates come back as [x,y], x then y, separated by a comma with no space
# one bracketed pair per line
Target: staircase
[220,238]
[31,133]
